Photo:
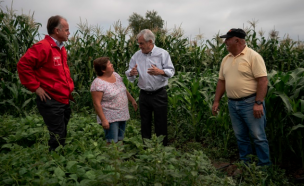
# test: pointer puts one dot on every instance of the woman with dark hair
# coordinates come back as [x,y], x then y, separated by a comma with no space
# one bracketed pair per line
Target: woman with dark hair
[110,99]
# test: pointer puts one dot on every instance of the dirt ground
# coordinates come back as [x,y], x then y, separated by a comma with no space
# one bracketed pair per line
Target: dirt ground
[296,174]
[227,167]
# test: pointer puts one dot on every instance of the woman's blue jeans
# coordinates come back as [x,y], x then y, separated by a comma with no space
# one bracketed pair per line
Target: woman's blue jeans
[244,123]
[115,132]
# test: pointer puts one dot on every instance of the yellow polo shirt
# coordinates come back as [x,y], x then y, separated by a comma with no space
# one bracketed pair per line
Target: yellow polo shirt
[239,73]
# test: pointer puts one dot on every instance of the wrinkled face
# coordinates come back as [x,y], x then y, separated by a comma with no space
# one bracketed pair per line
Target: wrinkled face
[63,32]
[231,44]
[109,68]
[145,46]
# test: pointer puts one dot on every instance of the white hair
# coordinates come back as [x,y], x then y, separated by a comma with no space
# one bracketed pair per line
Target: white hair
[147,34]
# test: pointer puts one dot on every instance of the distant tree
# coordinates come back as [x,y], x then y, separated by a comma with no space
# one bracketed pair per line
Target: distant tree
[152,21]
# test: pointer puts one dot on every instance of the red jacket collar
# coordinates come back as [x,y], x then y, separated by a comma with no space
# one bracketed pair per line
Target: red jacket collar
[50,40]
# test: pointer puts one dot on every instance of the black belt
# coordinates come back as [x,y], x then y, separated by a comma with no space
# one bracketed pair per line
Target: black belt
[241,99]
[152,92]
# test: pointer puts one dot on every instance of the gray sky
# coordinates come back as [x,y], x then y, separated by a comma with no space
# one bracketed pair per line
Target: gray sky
[207,17]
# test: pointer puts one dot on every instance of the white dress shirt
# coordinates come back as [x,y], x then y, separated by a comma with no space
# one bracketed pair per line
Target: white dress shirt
[60,45]
[157,57]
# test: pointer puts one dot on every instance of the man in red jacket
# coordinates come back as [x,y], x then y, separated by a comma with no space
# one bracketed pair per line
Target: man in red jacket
[44,70]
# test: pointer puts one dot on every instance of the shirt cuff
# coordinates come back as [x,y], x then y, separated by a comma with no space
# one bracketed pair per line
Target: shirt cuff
[168,73]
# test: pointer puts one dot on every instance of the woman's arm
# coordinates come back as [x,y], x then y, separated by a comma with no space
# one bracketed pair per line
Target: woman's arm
[130,98]
[97,97]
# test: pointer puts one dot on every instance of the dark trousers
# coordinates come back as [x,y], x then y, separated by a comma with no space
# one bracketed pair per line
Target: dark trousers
[156,102]
[56,116]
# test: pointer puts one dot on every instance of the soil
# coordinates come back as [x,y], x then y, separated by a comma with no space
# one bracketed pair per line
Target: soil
[296,174]
[230,169]
[292,168]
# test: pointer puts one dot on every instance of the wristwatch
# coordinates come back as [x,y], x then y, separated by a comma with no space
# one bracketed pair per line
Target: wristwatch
[259,102]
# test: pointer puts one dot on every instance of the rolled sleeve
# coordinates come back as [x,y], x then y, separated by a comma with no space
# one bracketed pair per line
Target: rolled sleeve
[168,67]
[169,73]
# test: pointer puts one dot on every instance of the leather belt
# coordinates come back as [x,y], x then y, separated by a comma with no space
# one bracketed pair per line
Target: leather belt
[241,99]
[152,92]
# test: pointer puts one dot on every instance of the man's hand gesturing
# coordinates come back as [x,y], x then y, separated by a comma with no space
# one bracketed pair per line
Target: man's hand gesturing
[134,71]
[155,71]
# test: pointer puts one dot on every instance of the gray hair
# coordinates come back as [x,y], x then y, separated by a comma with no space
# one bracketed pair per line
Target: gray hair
[147,34]
[54,22]
[59,26]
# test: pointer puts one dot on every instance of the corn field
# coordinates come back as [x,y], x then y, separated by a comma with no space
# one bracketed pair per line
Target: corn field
[191,91]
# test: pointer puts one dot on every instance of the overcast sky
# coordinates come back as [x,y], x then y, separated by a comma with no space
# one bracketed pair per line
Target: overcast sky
[207,17]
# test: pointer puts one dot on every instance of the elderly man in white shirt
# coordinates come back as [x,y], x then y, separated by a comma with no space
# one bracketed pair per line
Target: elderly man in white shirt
[154,67]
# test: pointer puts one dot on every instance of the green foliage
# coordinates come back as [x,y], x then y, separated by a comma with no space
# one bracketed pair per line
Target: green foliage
[257,175]
[88,160]
[286,90]
[85,46]
[190,93]
[284,55]
[152,22]
[17,34]
[15,98]
[190,101]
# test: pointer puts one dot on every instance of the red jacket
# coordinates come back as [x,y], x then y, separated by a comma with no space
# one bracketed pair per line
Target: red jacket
[45,65]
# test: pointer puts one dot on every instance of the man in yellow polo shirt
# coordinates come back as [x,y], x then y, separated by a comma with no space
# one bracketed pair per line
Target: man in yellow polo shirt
[243,76]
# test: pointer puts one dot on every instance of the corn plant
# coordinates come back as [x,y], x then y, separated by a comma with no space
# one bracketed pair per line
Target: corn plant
[17,34]
[190,91]
[283,55]
[286,91]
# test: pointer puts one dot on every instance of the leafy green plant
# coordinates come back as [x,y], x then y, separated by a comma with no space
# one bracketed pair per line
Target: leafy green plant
[285,91]
[16,99]
[190,92]
[262,175]
[86,159]
[17,34]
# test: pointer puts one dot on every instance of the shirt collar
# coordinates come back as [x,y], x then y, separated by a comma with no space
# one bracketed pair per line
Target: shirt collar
[242,53]
[60,45]
[152,51]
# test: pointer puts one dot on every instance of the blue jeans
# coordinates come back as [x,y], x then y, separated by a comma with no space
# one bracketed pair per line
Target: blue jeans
[244,123]
[116,131]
